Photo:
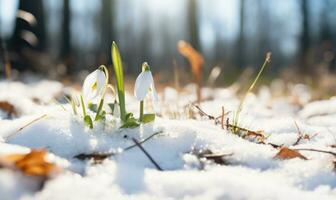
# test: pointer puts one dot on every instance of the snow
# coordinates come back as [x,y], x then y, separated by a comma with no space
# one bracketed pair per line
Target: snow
[250,172]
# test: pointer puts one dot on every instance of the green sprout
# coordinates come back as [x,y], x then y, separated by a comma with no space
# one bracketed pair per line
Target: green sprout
[87,118]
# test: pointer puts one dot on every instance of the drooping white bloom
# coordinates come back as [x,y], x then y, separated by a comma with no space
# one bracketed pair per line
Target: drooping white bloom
[144,84]
[94,84]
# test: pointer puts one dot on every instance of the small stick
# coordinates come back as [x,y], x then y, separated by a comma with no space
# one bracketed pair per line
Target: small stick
[228,125]
[210,117]
[204,113]
[222,118]
[299,134]
[316,150]
[142,141]
[105,155]
[147,154]
[250,132]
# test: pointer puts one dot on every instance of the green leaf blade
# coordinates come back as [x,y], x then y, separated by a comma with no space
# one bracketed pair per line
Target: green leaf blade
[147,118]
[88,121]
[118,69]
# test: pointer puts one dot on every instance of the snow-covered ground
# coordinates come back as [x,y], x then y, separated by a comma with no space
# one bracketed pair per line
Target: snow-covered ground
[247,169]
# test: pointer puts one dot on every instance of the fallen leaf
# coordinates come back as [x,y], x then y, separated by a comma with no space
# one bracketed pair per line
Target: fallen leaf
[286,153]
[207,154]
[196,61]
[32,163]
[8,108]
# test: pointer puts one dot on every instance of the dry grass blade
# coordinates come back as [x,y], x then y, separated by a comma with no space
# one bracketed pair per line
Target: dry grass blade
[241,104]
[28,124]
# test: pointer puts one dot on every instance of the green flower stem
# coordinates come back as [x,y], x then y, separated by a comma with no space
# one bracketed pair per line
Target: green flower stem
[100,108]
[141,111]
[144,67]
[83,105]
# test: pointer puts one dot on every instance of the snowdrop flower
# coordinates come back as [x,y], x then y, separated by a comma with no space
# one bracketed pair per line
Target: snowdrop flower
[95,84]
[145,83]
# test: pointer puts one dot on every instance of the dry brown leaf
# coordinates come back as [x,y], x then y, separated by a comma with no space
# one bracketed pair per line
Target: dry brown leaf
[8,108]
[207,154]
[32,163]
[286,153]
[196,61]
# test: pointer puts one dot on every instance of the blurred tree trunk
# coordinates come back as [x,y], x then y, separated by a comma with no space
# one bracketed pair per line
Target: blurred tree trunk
[66,35]
[108,31]
[304,38]
[193,24]
[326,38]
[19,39]
[240,55]
[29,37]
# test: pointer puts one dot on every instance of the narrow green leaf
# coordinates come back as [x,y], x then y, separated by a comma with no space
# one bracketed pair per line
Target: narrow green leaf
[147,118]
[72,103]
[130,124]
[88,121]
[129,116]
[118,69]
[99,110]
[101,116]
[93,107]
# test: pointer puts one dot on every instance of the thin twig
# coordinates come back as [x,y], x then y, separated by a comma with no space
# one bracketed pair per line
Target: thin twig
[147,154]
[205,114]
[249,132]
[210,117]
[105,155]
[228,125]
[316,150]
[222,117]
[299,134]
[142,141]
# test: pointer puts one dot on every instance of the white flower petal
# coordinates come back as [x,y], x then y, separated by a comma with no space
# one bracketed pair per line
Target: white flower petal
[89,81]
[101,81]
[142,85]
